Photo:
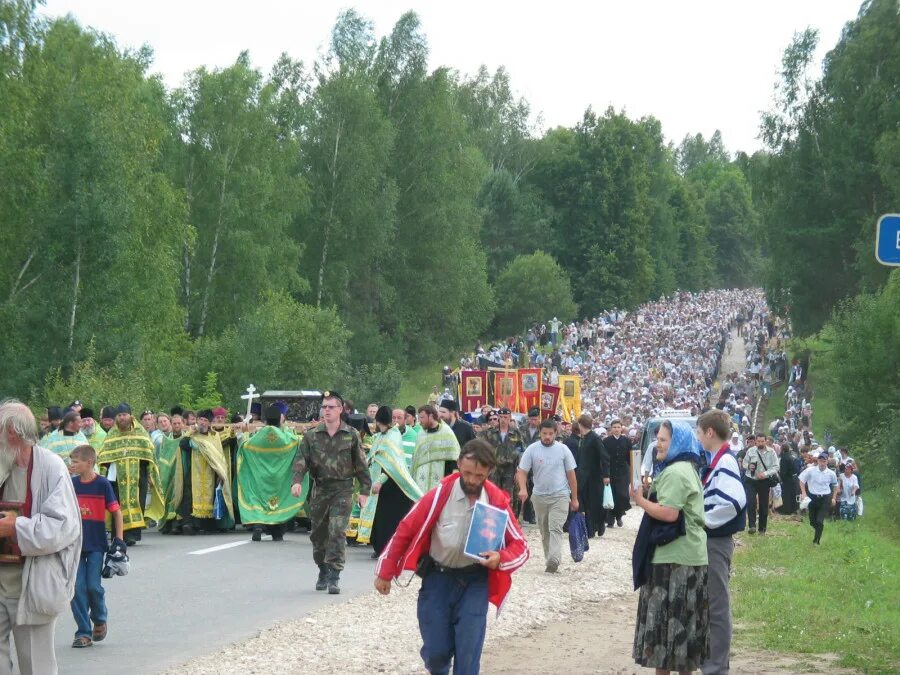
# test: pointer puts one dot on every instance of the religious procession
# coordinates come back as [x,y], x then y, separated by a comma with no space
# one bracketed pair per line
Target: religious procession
[559,450]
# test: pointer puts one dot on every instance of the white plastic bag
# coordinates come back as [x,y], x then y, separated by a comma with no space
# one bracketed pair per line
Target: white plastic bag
[859,506]
[806,501]
[608,501]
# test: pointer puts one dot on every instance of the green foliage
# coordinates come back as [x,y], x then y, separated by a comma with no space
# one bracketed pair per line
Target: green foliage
[340,222]
[280,344]
[833,168]
[209,396]
[376,382]
[93,384]
[864,365]
[532,288]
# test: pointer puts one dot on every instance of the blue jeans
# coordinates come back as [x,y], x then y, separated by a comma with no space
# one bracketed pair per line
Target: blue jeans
[89,603]
[452,613]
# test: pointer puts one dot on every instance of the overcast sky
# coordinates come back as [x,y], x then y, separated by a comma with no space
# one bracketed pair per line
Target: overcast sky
[697,65]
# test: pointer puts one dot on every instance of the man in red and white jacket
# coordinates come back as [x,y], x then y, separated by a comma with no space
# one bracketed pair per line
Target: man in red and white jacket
[456,589]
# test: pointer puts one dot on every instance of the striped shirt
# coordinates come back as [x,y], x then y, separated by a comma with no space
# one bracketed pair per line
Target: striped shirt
[723,492]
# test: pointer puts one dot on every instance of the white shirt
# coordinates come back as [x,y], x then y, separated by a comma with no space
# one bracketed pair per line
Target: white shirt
[848,485]
[818,482]
[448,539]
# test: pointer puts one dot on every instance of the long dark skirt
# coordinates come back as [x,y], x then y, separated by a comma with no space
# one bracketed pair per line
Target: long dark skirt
[672,627]
[393,505]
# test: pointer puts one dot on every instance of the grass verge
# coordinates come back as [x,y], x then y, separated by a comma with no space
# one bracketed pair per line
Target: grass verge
[840,597]
[417,385]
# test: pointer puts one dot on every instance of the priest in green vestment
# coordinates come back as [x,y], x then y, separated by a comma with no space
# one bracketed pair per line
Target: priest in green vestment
[91,429]
[206,471]
[264,466]
[66,438]
[409,435]
[394,490]
[171,473]
[129,460]
[230,441]
[437,450]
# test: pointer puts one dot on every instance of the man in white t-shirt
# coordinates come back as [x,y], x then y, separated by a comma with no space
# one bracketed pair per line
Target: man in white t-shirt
[555,489]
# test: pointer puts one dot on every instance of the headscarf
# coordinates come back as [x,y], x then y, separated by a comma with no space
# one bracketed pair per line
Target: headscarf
[684,446]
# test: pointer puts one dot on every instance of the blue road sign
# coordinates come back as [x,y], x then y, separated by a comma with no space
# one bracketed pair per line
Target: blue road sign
[887,239]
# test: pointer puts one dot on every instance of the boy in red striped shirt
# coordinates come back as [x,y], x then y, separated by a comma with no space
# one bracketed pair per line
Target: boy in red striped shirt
[95,498]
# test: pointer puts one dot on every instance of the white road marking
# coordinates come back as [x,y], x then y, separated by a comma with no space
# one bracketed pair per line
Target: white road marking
[220,547]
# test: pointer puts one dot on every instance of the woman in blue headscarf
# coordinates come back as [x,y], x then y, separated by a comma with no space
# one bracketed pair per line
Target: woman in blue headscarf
[672,628]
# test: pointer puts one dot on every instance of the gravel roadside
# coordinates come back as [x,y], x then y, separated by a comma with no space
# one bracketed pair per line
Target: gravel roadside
[375,634]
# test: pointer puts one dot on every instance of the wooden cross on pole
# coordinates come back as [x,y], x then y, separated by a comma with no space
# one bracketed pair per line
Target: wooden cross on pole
[249,396]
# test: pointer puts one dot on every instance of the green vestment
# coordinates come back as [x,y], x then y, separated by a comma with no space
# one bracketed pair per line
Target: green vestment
[264,478]
[61,444]
[386,460]
[127,449]
[433,450]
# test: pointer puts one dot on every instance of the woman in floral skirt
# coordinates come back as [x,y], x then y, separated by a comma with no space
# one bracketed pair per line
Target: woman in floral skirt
[672,629]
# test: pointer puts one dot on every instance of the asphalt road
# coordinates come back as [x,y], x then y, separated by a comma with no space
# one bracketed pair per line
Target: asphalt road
[175,604]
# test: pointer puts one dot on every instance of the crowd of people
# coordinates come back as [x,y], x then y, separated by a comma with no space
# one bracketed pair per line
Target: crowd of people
[405,480]
[663,355]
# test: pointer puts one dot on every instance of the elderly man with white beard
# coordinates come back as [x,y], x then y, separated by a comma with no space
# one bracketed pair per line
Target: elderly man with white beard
[46,531]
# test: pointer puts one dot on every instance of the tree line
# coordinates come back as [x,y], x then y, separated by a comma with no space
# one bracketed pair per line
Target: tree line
[332,224]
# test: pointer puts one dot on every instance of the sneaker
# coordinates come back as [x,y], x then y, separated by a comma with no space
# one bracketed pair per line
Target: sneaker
[552,565]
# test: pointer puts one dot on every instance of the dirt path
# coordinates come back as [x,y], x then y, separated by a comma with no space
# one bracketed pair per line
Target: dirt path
[734,360]
[599,638]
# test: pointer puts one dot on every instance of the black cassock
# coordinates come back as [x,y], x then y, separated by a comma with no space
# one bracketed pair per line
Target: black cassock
[595,467]
[619,451]
[789,487]
[393,505]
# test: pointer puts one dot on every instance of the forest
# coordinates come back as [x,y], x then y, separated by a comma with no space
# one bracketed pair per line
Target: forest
[334,224]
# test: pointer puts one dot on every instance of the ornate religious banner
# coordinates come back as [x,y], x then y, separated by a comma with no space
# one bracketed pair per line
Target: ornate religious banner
[506,389]
[473,389]
[570,396]
[529,389]
[549,400]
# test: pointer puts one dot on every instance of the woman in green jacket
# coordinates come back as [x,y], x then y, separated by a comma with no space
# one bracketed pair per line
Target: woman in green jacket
[672,628]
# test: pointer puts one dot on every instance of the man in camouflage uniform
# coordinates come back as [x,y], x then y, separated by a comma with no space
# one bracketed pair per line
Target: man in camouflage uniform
[332,454]
[508,445]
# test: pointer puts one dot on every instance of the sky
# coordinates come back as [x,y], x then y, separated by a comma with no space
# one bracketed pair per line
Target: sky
[696,65]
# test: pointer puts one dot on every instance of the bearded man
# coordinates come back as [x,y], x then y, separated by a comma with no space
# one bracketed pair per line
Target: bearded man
[205,469]
[437,450]
[92,431]
[128,456]
[47,534]
[449,413]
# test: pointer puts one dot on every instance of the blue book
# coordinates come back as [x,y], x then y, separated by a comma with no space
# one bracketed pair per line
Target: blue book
[486,531]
